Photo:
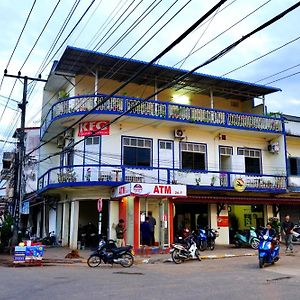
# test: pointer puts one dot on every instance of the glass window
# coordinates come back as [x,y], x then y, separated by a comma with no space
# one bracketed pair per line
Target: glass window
[294,166]
[193,156]
[138,153]
[93,140]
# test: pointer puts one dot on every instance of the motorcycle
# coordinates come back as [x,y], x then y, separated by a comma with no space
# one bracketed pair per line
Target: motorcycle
[296,233]
[186,250]
[267,255]
[206,239]
[109,253]
[247,239]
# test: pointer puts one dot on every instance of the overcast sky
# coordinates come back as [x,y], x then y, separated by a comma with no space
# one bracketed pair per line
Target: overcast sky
[14,13]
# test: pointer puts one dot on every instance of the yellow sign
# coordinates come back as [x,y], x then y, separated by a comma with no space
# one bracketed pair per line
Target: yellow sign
[239,184]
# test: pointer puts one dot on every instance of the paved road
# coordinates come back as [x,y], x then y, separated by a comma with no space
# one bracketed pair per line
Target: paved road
[231,278]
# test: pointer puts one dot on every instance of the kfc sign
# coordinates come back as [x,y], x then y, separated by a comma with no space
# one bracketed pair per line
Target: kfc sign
[94,128]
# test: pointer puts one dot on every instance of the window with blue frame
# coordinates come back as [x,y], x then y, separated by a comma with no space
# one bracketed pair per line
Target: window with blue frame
[294,166]
[252,160]
[193,156]
[137,152]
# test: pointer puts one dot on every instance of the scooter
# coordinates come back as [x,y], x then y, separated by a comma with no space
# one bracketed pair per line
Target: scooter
[296,233]
[250,239]
[267,255]
[202,240]
[186,250]
[109,253]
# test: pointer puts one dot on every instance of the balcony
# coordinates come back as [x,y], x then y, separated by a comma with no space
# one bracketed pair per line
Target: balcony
[162,111]
[114,175]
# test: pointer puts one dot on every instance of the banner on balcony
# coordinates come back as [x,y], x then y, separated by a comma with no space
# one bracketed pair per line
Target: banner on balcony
[147,189]
[87,128]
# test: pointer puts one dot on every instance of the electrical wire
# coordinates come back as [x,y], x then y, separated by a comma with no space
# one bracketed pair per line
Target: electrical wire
[142,69]
[212,59]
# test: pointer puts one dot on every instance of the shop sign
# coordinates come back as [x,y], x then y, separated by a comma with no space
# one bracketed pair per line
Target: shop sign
[239,184]
[147,189]
[25,208]
[222,221]
[99,205]
[87,128]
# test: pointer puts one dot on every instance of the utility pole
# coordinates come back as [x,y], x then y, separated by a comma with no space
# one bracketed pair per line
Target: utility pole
[19,191]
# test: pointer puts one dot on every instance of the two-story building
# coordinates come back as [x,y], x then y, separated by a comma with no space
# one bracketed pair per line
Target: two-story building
[198,153]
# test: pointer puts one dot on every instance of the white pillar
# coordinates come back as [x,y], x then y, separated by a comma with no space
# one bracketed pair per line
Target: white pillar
[74,224]
[113,218]
[59,213]
[211,99]
[130,220]
[65,225]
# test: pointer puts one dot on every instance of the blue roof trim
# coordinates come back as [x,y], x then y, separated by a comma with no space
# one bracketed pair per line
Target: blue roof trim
[175,69]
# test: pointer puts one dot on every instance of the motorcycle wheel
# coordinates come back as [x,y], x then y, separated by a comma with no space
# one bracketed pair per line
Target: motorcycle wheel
[127,260]
[197,254]
[203,245]
[94,261]
[237,244]
[261,262]
[175,257]
[212,245]
[254,244]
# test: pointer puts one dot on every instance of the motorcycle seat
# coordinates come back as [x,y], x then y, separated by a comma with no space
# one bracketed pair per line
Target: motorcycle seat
[119,249]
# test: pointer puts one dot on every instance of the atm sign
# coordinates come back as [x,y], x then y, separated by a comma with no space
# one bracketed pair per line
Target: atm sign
[93,128]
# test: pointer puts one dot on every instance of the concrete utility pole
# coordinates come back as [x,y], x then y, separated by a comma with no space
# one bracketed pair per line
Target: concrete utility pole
[21,151]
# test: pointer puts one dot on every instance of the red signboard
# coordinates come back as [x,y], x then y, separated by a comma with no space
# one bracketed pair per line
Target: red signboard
[99,205]
[93,128]
[222,221]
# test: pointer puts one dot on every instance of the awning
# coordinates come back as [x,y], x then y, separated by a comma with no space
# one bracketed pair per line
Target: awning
[237,200]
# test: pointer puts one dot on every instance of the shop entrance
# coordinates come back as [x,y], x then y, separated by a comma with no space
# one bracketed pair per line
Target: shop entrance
[159,210]
[191,216]
[89,222]
[242,217]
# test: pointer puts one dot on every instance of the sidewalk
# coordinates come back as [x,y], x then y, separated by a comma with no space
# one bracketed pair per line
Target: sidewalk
[56,255]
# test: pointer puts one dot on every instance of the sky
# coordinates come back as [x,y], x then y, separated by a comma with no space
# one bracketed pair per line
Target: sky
[92,33]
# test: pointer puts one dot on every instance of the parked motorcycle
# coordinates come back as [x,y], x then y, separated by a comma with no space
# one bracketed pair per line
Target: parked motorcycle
[109,253]
[267,253]
[296,233]
[187,250]
[246,240]
[206,239]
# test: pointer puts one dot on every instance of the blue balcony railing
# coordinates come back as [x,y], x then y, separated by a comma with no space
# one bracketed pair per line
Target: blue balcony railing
[160,110]
[118,174]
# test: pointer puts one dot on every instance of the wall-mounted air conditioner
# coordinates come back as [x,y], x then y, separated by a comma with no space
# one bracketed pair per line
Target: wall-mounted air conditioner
[60,141]
[179,133]
[273,147]
[69,133]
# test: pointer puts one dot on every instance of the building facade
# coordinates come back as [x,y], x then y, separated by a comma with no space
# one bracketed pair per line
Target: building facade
[195,154]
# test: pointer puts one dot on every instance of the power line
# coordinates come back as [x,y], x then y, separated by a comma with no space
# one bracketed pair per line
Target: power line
[146,66]
[212,59]
[288,76]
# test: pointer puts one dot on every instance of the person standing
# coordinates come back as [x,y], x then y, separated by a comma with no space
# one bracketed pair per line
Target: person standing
[145,235]
[287,228]
[152,223]
[120,231]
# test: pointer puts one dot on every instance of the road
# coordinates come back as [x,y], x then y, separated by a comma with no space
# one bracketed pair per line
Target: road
[230,278]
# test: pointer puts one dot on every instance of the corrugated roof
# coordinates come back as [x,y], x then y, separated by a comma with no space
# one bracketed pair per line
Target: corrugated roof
[77,61]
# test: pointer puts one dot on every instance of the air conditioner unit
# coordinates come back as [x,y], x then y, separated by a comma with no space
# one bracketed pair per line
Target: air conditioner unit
[69,133]
[178,133]
[273,147]
[60,141]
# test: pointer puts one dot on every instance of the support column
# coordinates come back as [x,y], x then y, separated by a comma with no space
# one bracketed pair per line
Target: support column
[59,215]
[171,221]
[222,226]
[65,226]
[211,99]
[74,224]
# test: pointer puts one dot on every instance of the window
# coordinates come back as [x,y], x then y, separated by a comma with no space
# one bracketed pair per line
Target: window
[193,156]
[137,152]
[252,160]
[224,150]
[165,145]
[93,140]
[294,166]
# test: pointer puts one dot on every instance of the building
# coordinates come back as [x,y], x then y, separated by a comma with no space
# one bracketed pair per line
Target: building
[9,173]
[198,153]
